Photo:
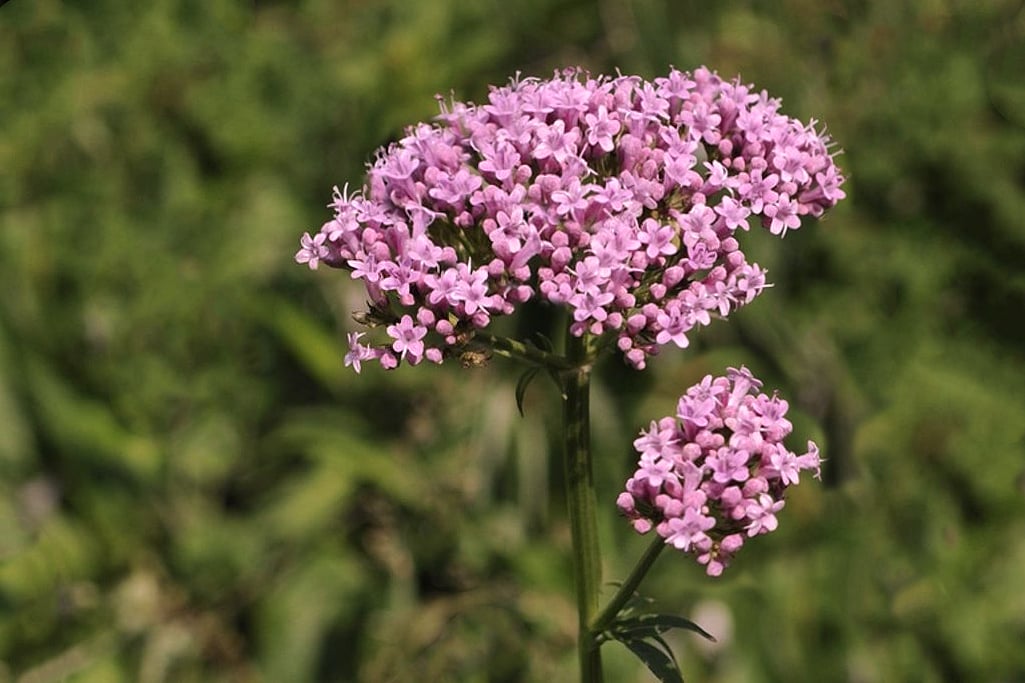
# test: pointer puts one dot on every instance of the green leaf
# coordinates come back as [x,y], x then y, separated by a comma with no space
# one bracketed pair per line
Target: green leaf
[545,343]
[521,386]
[659,662]
[650,625]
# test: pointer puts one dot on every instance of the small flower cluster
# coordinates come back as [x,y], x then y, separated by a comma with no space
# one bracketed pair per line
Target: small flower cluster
[617,198]
[715,473]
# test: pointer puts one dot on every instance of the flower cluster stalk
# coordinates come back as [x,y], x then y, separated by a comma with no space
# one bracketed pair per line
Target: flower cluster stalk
[628,588]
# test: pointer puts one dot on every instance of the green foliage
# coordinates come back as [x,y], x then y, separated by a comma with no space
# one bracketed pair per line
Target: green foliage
[657,656]
[642,635]
[192,487]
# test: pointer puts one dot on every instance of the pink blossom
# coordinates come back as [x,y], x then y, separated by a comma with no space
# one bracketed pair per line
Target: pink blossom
[684,531]
[589,192]
[729,464]
[312,249]
[601,129]
[716,471]
[763,515]
[782,214]
[654,471]
[734,213]
[408,336]
[658,238]
[357,352]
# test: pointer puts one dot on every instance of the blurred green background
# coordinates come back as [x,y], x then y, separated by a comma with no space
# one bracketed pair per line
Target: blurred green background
[192,488]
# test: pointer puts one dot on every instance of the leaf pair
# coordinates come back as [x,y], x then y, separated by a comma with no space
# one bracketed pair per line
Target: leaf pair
[643,636]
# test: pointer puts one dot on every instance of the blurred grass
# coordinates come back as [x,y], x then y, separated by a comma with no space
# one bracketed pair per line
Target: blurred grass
[192,488]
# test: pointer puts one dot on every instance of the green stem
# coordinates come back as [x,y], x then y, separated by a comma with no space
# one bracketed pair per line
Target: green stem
[629,587]
[575,385]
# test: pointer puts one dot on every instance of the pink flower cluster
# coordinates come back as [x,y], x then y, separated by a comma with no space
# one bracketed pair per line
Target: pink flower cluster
[615,197]
[715,473]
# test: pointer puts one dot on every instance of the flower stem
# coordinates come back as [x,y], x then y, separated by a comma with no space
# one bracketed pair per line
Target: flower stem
[627,589]
[575,385]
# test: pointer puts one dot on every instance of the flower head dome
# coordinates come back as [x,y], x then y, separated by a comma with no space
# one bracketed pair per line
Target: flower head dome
[617,198]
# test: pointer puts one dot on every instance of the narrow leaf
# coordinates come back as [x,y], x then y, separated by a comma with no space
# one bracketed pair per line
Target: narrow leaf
[545,343]
[668,650]
[521,386]
[649,624]
[658,662]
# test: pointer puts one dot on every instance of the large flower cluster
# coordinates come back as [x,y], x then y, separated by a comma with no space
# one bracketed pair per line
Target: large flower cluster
[715,474]
[617,198]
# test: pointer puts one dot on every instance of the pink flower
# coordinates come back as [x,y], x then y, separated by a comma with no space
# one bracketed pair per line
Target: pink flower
[654,471]
[682,532]
[312,249]
[782,214]
[729,465]
[763,515]
[601,129]
[357,352]
[658,238]
[716,469]
[408,336]
[471,290]
[592,193]
[734,213]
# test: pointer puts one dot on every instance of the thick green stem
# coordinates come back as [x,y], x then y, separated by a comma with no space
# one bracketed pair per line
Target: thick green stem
[629,587]
[575,385]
